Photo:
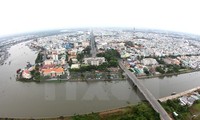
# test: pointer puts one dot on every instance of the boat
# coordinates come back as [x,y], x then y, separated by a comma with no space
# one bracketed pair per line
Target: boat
[174,93]
[18,71]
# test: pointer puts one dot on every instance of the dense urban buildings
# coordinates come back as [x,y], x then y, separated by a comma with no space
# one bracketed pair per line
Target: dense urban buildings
[84,55]
[145,52]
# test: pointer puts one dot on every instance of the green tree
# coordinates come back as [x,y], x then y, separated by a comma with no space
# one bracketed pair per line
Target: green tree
[70,62]
[66,59]
[129,43]
[39,58]
[146,71]
[87,50]
[37,76]
[160,70]
[80,57]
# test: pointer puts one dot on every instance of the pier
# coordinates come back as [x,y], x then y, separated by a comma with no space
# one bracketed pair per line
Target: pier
[171,97]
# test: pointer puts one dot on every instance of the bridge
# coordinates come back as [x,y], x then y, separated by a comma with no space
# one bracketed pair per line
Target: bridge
[146,93]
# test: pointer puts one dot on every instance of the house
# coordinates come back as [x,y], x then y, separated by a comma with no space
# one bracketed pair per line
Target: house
[53,72]
[74,60]
[125,55]
[75,66]
[48,62]
[171,61]
[73,52]
[26,74]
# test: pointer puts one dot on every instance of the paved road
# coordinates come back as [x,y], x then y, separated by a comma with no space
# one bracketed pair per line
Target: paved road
[149,97]
[92,43]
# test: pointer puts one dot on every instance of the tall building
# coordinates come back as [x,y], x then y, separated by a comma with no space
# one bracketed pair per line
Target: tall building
[55,56]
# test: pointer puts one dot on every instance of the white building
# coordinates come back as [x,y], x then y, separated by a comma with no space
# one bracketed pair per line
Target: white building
[26,74]
[75,66]
[94,61]
[85,43]
[149,61]
[55,56]
[48,62]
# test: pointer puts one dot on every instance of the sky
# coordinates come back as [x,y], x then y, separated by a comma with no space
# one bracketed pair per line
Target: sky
[18,16]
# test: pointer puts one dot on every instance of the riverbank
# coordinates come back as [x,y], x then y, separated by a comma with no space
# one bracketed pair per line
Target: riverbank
[5,47]
[184,105]
[166,75]
[73,80]
[102,114]
[127,112]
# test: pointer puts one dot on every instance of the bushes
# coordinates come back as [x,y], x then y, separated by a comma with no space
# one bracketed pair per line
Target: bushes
[39,58]
[168,69]
[93,116]
[173,106]
[111,57]
[142,111]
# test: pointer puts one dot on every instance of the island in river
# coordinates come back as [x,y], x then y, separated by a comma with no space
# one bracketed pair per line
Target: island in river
[58,60]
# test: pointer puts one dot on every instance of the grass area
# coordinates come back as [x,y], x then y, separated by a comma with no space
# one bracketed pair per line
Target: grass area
[142,111]
[196,107]
[195,110]
[173,106]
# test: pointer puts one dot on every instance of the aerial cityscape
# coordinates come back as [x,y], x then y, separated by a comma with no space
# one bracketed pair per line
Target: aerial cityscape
[99,60]
[124,56]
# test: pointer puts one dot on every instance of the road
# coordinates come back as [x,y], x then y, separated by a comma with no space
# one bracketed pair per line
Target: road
[147,94]
[92,43]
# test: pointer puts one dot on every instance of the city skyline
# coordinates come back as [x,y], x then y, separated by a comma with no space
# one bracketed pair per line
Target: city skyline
[34,15]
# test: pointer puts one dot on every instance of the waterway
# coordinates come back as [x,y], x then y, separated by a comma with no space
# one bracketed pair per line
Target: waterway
[162,87]
[53,99]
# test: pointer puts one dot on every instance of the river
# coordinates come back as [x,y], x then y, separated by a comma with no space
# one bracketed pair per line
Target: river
[53,99]
[162,87]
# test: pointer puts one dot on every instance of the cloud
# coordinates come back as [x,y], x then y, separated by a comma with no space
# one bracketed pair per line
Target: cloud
[29,15]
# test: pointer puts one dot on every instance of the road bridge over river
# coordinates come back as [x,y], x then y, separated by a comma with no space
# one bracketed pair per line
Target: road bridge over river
[147,94]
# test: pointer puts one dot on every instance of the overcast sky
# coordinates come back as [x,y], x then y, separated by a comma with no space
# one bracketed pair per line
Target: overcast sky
[31,15]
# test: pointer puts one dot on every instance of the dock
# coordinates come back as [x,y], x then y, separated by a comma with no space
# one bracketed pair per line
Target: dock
[171,97]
